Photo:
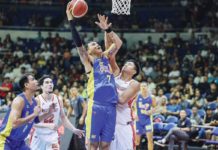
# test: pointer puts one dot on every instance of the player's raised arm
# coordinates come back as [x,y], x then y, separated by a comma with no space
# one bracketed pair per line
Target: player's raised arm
[110,36]
[84,57]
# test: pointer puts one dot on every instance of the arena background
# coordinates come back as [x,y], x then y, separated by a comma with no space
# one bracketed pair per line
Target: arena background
[175,42]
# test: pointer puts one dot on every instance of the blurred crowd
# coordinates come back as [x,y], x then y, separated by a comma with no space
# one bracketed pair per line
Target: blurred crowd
[171,67]
[150,16]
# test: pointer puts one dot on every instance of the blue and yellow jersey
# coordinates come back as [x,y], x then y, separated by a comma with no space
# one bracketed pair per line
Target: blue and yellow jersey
[21,132]
[142,105]
[101,84]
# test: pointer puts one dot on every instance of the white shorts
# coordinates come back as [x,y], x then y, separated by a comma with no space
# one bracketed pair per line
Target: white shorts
[123,138]
[44,141]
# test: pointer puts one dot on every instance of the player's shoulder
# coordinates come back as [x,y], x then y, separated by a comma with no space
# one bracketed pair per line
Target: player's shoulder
[134,83]
[18,101]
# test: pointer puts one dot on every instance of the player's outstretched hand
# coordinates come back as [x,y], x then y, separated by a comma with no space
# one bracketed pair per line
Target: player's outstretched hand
[103,22]
[78,132]
[69,15]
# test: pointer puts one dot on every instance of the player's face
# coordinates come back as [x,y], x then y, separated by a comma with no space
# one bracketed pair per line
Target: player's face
[32,83]
[48,85]
[94,48]
[143,88]
[129,68]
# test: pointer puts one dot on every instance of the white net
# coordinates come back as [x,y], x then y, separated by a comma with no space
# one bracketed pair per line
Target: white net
[121,7]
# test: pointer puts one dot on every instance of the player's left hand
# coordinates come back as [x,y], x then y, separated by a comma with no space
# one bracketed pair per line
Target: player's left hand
[103,22]
[78,132]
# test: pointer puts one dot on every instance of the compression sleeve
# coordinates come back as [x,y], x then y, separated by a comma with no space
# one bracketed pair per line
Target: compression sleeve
[76,38]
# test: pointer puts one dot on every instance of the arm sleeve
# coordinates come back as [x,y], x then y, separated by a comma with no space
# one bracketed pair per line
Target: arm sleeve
[75,35]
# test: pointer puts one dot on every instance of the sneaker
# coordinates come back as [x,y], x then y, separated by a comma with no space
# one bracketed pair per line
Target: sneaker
[204,146]
[159,143]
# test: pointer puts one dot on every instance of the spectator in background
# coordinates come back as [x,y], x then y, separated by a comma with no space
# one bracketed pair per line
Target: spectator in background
[6,87]
[173,107]
[195,117]
[78,108]
[212,94]
[183,104]
[159,97]
[198,101]
[8,100]
[162,108]
[209,115]
[179,133]
[199,77]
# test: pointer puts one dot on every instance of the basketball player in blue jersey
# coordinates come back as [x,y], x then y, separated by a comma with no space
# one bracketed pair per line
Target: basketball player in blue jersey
[102,93]
[145,108]
[21,116]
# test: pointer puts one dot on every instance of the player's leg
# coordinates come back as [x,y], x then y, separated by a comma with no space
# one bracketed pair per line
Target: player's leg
[139,131]
[95,121]
[4,146]
[138,139]
[149,133]
[24,146]
[149,136]
[35,142]
[109,127]
[52,146]
[126,137]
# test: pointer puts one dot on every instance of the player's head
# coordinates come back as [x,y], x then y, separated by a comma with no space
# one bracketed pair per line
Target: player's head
[46,84]
[74,91]
[94,48]
[28,82]
[144,87]
[131,67]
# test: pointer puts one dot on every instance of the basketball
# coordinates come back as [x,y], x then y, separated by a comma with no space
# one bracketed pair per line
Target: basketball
[78,8]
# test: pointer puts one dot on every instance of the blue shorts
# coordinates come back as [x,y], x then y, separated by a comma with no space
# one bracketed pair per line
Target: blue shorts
[13,145]
[144,127]
[100,122]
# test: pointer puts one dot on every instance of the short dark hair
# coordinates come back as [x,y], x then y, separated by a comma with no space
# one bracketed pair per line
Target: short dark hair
[137,66]
[24,79]
[41,80]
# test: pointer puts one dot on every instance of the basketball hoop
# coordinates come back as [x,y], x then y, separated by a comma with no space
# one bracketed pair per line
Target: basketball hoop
[121,7]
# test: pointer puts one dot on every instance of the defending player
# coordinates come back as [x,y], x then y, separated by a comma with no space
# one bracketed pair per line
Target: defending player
[145,107]
[101,113]
[21,116]
[45,136]
[127,88]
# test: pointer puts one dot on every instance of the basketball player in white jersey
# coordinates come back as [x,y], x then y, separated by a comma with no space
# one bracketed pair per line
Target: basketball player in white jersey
[127,87]
[45,135]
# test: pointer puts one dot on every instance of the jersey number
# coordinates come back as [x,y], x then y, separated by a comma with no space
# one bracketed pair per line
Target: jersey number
[50,119]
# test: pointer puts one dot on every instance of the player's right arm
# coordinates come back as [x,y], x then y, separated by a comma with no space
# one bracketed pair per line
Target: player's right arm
[16,110]
[84,57]
[129,93]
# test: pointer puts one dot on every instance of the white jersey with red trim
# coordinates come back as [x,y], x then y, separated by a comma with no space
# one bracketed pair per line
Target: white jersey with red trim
[54,117]
[124,111]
